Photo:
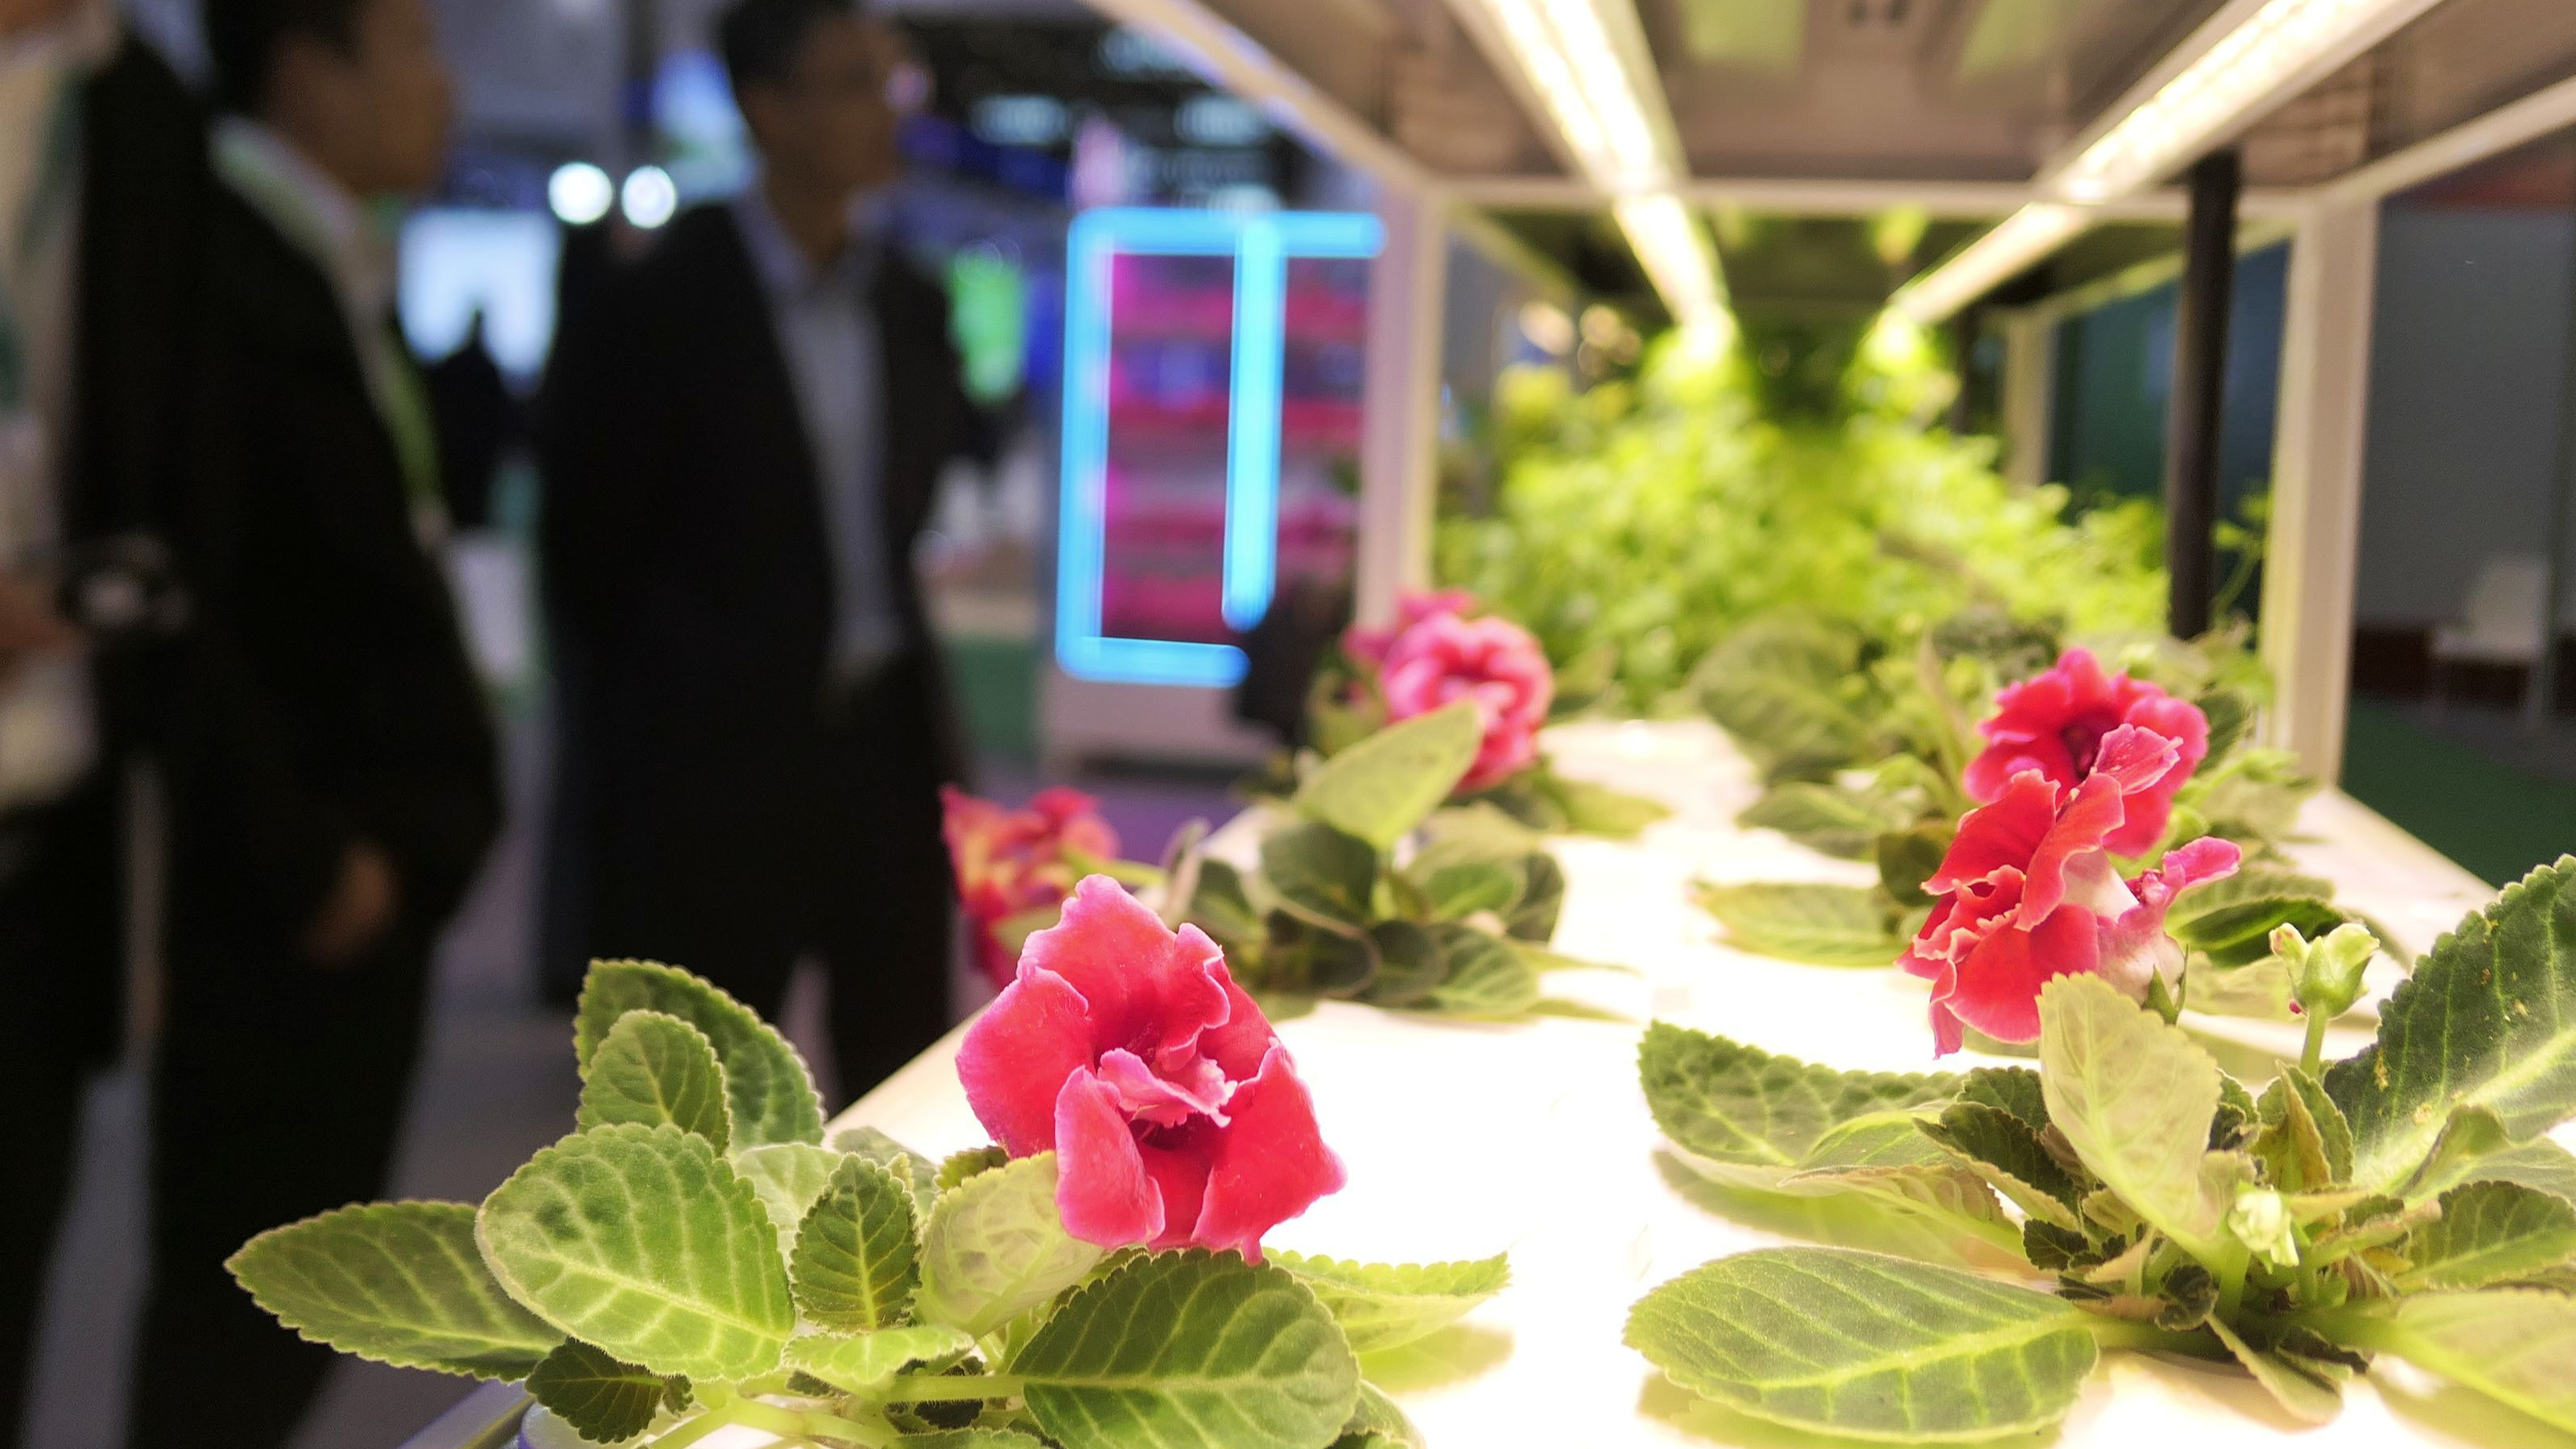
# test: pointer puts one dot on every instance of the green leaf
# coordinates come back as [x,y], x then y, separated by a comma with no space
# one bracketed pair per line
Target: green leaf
[602,1399]
[1542,898]
[1820,925]
[1381,1306]
[860,1363]
[2487,1020]
[1487,978]
[918,1174]
[654,1068]
[2304,1138]
[1787,721]
[2490,1232]
[1739,1106]
[644,1241]
[2014,1089]
[1190,1351]
[1219,906]
[1460,890]
[789,1177]
[1383,786]
[2539,1163]
[1378,1422]
[995,1248]
[2304,1395]
[399,1283]
[2515,1345]
[1908,858]
[1865,1346]
[1410,964]
[975,1438]
[855,1263]
[1828,818]
[1599,810]
[2007,1154]
[771,1093]
[2232,918]
[1321,874]
[2133,1097]
[958,1166]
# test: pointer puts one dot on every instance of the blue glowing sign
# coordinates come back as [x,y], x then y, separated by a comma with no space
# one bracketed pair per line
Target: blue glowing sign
[1261,244]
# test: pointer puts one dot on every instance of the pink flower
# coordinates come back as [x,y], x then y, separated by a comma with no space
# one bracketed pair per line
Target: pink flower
[2028,893]
[1174,1112]
[1492,661]
[2055,723]
[1367,646]
[1011,862]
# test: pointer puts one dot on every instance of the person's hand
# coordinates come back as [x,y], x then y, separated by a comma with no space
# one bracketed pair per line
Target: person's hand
[359,910]
[29,627]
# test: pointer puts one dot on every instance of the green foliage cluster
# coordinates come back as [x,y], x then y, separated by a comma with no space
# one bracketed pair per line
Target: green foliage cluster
[1638,526]
[2403,1201]
[1366,889]
[697,1256]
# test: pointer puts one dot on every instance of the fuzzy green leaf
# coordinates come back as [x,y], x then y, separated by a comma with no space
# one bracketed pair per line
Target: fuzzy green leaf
[1322,874]
[1458,891]
[918,1174]
[2539,1163]
[2490,1232]
[2516,1345]
[645,1242]
[1190,1350]
[2487,1020]
[958,1166]
[2133,1097]
[1787,723]
[995,1248]
[2305,1394]
[2231,919]
[856,1263]
[603,1399]
[1383,786]
[860,1363]
[1542,900]
[1377,1421]
[1740,1107]
[1382,1305]
[771,1093]
[1828,818]
[975,1438]
[1865,1346]
[790,1177]
[1487,978]
[2014,1089]
[400,1283]
[2007,1153]
[1592,809]
[1410,964]
[1820,925]
[654,1068]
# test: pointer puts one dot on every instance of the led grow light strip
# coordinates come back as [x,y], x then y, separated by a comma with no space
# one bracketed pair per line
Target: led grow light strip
[2249,57]
[1262,245]
[1580,75]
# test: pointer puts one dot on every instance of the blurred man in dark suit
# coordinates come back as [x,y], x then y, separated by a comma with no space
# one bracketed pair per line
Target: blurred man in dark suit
[741,441]
[336,789]
[103,192]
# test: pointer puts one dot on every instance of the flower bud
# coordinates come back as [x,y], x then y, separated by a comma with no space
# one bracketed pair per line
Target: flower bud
[2261,1221]
[2325,974]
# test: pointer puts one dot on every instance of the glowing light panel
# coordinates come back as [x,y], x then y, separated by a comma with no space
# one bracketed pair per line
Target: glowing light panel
[1261,244]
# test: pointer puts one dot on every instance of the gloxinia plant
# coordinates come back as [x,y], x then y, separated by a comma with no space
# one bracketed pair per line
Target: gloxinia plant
[697,1255]
[2131,1195]
[1443,648]
[1365,889]
[1014,867]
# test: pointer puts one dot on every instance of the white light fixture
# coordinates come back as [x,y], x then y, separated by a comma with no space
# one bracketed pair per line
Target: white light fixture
[1607,107]
[648,198]
[580,193]
[2249,57]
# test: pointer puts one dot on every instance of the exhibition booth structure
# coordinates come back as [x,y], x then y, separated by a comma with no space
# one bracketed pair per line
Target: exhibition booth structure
[1813,935]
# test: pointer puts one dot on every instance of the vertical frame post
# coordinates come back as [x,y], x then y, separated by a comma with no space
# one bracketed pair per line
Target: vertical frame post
[1400,422]
[2312,558]
[2199,392]
[2029,394]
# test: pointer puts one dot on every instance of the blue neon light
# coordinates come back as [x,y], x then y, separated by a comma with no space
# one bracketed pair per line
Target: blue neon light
[1261,244]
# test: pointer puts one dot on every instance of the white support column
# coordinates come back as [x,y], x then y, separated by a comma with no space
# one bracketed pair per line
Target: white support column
[2310,565]
[1400,421]
[2029,393]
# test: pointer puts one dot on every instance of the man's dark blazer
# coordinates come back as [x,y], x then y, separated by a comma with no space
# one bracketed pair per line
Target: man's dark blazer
[331,698]
[688,578]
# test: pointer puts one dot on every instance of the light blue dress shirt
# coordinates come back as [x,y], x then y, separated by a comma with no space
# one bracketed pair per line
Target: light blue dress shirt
[828,332]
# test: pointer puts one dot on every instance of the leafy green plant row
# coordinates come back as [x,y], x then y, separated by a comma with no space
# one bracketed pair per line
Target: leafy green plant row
[2404,1201]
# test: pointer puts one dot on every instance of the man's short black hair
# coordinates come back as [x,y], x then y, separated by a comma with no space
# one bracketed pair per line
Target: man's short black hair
[242,38]
[760,38]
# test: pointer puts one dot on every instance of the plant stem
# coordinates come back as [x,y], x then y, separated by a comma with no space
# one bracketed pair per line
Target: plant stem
[951,1388]
[2145,1337]
[707,1422]
[2313,1051]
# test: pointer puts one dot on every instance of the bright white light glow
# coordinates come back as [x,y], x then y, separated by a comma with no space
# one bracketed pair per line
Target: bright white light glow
[1547,327]
[2025,239]
[1565,51]
[580,193]
[649,198]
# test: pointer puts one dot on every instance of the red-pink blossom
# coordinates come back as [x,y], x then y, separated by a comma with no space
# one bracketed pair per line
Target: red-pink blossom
[1491,661]
[2027,892]
[2055,723]
[1173,1109]
[1367,645]
[1011,862]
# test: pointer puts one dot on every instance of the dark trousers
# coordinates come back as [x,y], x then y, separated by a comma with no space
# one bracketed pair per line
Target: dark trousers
[278,1094]
[849,866]
[59,890]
